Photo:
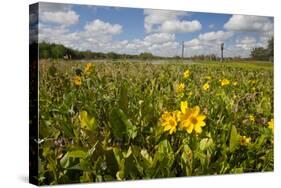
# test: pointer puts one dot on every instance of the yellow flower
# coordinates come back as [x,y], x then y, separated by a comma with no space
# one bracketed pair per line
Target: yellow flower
[186,74]
[191,119]
[169,121]
[180,88]
[235,83]
[77,80]
[251,117]
[244,141]
[225,82]
[205,86]
[88,68]
[271,124]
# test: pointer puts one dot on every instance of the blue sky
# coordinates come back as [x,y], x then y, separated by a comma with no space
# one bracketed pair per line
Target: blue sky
[161,32]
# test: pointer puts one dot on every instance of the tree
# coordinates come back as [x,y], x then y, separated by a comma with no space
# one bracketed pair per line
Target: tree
[270,49]
[259,53]
[146,55]
[264,54]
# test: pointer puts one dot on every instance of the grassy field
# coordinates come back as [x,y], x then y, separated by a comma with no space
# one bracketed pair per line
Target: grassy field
[123,121]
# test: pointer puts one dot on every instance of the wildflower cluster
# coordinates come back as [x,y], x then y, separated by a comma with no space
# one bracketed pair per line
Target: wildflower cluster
[187,118]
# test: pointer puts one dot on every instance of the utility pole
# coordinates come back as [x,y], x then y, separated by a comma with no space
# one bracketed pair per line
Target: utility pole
[182,51]
[222,44]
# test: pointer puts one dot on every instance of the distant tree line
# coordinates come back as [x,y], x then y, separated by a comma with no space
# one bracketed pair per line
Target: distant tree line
[58,51]
[265,54]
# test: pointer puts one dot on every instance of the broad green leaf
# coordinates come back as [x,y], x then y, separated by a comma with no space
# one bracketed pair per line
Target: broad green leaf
[233,141]
[124,100]
[117,125]
[164,154]
[86,122]
[64,161]
[205,143]
[77,153]
[187,159]
[121,125]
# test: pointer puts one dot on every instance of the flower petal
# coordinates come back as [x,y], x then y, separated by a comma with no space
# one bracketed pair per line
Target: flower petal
[184,106]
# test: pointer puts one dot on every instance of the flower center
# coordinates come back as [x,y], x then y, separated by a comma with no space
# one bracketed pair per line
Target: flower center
[172,122]
[193,120]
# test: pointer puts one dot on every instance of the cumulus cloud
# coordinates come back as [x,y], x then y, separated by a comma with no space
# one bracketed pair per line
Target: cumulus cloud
[57,13]
[249,42]
[169,22]
[54,7]
[64,18]
[99,26]
[215,36]
[159,38]
[246,23]
[207,43]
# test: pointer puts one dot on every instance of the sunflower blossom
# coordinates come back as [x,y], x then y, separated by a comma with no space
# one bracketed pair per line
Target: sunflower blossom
[225,82]
[77,80]
[206,87]
[271,124]
[191,119]
[169,121]
[180,88]
[186,74]
[244,141]
[88,68]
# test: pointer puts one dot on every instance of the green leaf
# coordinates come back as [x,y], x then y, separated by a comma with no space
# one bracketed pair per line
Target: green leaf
[86,122]
[117,125]
[64,161]
[233,139]
[164,154]
[77,153]
[187,159]
[205,143]
[124,100]
[121,125]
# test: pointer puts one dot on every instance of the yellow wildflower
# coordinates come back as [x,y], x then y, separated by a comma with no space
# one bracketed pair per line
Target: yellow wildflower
[77,80]
[169,121]
[251,117]
[191,119]
[180,88]
[186,74]
[206,87]
[244,141]
[271,124]
[235,83]
[88,68]
[225,82]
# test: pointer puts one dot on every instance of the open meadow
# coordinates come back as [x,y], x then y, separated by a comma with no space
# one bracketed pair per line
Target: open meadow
[119,120]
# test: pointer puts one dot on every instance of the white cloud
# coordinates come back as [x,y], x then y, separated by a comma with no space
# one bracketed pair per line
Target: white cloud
[54,7]
[249,42]
[246,23]
[207,43]
[64,18]
[169,22]
[175,26]
[98,26]
[215,36]
[159,38]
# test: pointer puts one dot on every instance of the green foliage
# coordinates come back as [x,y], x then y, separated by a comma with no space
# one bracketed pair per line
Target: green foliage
[108,128]
[264,54]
